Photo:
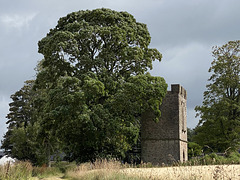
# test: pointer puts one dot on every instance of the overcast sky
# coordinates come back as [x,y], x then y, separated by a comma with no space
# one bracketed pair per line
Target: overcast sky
[184,31]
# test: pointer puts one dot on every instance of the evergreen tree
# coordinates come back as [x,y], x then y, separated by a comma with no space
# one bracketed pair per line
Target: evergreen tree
[20,112]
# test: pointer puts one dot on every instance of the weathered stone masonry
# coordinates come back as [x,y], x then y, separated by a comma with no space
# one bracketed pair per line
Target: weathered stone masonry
[166,141]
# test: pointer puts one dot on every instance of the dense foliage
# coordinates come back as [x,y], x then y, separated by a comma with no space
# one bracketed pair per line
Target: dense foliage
[194,149]
[91,88]
[219,127]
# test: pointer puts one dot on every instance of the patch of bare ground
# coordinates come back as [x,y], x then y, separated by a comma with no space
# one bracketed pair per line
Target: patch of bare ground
[52,178]
[210,172]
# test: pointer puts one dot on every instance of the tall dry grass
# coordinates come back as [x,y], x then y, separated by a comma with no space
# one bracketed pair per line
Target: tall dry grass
[23,170]
[210,172]
[108,170]
[19,170]
[113,169]
[100,169]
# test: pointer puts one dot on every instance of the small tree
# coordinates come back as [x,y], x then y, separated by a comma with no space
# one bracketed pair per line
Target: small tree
[219,126]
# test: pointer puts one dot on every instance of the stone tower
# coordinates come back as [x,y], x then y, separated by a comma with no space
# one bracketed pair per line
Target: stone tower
[166,141]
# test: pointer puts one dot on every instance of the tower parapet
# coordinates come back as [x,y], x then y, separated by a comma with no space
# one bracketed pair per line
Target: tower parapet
[177,88]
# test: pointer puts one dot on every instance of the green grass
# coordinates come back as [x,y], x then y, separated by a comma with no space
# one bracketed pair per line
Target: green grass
[44,172]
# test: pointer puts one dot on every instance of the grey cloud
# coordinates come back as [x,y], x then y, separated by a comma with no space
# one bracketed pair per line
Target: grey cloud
[188,21]
[3,112]
[186,65]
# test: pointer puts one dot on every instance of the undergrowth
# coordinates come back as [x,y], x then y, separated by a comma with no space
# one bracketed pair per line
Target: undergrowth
[214,159]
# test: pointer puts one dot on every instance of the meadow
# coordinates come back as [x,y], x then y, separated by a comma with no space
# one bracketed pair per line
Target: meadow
[113,169]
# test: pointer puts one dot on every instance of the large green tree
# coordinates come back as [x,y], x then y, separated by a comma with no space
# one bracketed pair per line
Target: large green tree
[92,86]
[94,73]
[219,127]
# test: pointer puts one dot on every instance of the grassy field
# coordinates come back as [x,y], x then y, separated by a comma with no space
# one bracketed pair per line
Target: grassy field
[214,172]
[114,170]
[111,170]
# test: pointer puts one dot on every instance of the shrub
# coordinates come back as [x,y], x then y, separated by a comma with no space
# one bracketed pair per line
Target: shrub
[194,150]
[233,158]
[215,159]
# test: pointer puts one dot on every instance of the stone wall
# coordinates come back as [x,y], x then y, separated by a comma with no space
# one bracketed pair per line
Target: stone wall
[166,140]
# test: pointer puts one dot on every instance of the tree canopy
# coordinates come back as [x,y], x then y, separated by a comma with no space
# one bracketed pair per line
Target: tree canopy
[93,86]
[102,41]
[220,112]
